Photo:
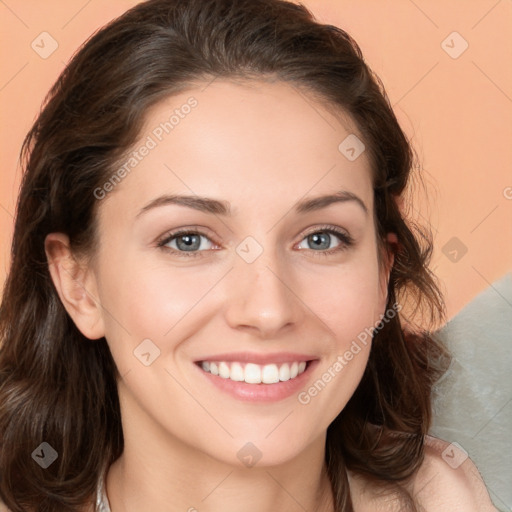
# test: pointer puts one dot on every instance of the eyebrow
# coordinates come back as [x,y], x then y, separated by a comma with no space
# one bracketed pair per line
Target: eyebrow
[218,207]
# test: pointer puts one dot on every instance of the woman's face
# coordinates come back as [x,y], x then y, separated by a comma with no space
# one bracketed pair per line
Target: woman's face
[260,280]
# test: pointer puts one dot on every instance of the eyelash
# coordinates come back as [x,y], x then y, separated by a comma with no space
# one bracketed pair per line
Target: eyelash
[346,241]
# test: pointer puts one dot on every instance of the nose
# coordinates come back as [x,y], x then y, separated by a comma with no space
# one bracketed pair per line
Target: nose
[261,298]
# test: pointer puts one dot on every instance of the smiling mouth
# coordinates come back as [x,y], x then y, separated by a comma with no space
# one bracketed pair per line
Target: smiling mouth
[252,373]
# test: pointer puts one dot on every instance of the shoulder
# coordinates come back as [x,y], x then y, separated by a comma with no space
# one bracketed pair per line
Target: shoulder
[448,480]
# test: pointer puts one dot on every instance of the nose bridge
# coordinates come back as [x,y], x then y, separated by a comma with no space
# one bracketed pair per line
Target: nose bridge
[261,294]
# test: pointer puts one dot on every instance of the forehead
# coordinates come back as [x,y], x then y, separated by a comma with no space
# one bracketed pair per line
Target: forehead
[250,143]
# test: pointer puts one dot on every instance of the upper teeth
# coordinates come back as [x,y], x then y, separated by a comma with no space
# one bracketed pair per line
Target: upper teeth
[254,373]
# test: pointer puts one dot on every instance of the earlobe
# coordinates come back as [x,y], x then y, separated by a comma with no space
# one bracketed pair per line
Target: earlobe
[76,286]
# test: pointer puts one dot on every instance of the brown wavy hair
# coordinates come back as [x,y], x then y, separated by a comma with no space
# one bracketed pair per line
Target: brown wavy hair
[57,387]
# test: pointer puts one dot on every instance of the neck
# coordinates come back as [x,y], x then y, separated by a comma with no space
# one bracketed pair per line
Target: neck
[132,486]
[161,473]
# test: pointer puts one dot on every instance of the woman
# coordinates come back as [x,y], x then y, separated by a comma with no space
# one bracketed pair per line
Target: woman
[212,292]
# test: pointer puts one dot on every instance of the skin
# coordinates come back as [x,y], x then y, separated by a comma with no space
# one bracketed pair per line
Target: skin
[182,434]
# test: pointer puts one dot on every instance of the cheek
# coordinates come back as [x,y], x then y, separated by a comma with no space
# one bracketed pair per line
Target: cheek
[347,298]
[143,300]
[348,301]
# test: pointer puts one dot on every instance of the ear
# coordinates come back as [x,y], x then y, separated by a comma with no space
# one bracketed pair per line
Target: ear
[76,286]
[391,245]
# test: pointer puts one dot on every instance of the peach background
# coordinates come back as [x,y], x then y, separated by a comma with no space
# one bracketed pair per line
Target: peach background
[458,111]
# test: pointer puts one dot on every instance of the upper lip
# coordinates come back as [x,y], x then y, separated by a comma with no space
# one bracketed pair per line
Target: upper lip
[258,358]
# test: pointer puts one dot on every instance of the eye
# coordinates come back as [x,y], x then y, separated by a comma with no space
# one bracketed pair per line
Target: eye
[191,243]
[186,243]
[321,241]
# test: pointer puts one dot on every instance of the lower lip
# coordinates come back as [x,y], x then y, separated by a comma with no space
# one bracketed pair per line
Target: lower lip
[261,392]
